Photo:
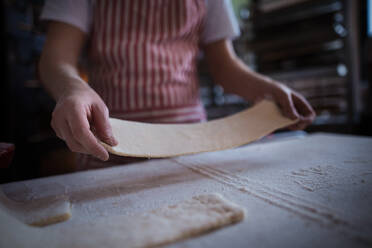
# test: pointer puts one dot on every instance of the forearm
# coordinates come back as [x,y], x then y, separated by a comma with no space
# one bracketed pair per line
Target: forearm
[59,77]
[58,65]
[234,76]
[240,80]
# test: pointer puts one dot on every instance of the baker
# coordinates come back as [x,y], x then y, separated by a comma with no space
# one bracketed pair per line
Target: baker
[142,66]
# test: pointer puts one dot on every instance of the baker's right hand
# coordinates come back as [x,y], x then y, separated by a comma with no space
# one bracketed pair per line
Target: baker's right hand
[79,117]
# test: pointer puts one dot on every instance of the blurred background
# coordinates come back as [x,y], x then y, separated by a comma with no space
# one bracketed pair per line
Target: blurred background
[321,48]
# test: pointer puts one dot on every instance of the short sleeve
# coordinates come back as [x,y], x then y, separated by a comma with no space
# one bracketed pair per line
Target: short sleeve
[76,13]
[220,22]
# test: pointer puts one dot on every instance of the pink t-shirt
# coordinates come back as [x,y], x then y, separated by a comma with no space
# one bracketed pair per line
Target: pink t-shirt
[220,22]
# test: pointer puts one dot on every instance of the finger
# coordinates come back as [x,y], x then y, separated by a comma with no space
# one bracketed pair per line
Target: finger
[297,126]
[300,125]
[304,108]
[67,136]
[89,142]
[55,126]
[63,131]
[293,127]
[102,126]
[286,103]
[80,130]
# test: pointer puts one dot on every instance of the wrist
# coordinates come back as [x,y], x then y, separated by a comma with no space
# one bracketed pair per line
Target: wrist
[263,88]
[70,87]
[273,88]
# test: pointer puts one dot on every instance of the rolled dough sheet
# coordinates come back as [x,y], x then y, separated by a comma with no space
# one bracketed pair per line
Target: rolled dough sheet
[166,140]
[152,229]
[39,212]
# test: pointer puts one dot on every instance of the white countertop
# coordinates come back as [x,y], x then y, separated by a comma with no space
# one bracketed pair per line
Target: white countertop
[314,191]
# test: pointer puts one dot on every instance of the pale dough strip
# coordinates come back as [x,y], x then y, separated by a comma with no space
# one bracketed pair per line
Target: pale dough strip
[166,140]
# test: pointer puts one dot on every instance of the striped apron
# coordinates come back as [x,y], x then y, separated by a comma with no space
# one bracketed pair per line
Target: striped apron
[143,61]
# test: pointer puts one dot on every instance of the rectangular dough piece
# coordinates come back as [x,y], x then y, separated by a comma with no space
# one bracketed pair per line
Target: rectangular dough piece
[166,225]
[169,224]
[40,212]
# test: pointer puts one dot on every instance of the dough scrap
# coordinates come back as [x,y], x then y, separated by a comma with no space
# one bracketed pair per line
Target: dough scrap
[37,213]
[152,229]
[166,140]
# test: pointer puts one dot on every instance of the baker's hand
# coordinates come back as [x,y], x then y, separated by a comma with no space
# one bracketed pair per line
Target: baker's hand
[79,116]
[293,105]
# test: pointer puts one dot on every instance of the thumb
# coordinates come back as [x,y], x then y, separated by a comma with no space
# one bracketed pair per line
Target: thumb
[102,126]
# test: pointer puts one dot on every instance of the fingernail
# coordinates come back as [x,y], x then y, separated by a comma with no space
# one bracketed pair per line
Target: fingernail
[113,141]
[103,158]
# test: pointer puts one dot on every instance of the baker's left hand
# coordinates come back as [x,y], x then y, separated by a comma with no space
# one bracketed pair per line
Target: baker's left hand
[293,105]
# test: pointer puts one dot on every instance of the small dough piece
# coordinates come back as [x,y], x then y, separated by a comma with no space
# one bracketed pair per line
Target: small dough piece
[166,140]
[37,213]
[158,227]
[152,229]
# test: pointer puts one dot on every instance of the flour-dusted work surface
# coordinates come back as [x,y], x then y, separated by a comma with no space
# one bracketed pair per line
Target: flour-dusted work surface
[299,192]
[155,228]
